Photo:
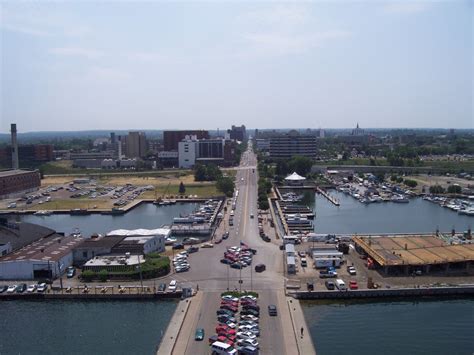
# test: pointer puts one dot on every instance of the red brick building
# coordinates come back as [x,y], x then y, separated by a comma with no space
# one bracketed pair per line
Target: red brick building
[172,138]
[16,182]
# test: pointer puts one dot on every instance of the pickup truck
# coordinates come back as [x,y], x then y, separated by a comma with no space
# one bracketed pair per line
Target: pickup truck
[327,274]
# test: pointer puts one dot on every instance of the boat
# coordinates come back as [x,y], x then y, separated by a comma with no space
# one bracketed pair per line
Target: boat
[399,199]
[467,211]
[170,240]
[79,211]
[191,241]
[43,213]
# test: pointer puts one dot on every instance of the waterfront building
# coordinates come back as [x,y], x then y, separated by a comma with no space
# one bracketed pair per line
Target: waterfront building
[140,241]
[187,152]
[47,257]
[295,179]
[94,246]
[292,144]
[14,183]
[192,150]
[404,255]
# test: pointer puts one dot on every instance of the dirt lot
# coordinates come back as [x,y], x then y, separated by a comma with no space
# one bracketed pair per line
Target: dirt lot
[444,181]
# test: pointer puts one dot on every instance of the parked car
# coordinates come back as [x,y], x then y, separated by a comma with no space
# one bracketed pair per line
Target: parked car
[353,285]
[199,335]
[3,288]
[21,288]
[310,286]
[225,311]
[207,245]
[252,312]
[11,288]
[177,246]
[272,310]
[193,249]
[226,261]
[260,268]
[236,266]
[162,287]
[42,287]
[230,298]
[226,235]
[172,285]
[330,285]
[31,288]
[70,272]
[351,270]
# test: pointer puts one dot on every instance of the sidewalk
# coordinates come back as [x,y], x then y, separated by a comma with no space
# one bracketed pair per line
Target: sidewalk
[304,343]
[188,325]
[174,327]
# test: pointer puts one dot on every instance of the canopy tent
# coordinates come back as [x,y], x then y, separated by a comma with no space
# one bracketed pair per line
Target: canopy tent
[295,177]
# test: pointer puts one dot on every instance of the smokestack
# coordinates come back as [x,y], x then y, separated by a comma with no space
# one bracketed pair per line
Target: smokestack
[15,163]
[120,148]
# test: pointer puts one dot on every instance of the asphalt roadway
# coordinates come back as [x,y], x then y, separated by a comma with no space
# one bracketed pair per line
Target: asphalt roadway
[213,277]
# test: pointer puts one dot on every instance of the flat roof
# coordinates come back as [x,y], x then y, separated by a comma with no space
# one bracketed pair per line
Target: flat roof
[115,260]
[140,232]
[414,250]
[14,172]
[101,242]
[51,248]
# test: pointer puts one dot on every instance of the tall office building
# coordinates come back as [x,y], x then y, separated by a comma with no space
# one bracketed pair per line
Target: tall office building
[136,145]
[292,144]
[171,139]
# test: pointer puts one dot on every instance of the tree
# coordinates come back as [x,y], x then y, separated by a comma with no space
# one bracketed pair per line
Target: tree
[454,189]
[103,275]
[302,165]
[88,275]
[200,172]
[436,189]
[182,188]
[410,183]
[226,185]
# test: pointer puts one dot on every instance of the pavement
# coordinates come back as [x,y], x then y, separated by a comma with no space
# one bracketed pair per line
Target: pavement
[277,333]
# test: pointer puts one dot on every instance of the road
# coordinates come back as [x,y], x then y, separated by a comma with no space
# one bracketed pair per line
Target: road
[214,277]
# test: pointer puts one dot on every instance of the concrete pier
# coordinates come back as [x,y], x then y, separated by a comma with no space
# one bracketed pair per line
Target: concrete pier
[328,196]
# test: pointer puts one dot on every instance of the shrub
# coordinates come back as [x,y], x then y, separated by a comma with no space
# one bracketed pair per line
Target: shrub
[88,275]
[103,275]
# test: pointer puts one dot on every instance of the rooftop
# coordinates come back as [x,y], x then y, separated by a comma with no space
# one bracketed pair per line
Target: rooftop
[139,232]
[115,260]
[13,172]
[20,234]
[414,250]
[51,248]
[101,242]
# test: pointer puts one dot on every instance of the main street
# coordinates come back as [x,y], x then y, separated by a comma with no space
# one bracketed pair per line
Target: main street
[214,277]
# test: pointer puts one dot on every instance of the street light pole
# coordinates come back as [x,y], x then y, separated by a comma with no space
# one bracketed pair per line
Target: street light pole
[228,268]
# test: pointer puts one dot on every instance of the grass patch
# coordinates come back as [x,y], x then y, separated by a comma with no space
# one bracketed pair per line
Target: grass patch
[201,190]
[240,294]
[68,204]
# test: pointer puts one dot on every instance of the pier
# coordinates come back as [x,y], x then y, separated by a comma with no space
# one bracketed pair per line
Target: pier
[328,196]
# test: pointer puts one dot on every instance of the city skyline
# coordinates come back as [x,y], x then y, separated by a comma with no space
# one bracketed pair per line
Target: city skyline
[306,65]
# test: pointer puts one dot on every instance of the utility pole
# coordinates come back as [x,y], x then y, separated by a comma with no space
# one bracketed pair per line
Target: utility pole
[240,279]
[251,278]
[228,281]
[140,270]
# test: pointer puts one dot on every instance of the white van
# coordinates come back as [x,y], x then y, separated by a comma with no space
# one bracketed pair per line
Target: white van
[340,285]
[172,285]
[222,348]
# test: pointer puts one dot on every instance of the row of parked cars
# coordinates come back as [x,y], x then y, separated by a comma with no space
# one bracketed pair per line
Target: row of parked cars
[22,288]
[238,257]
[238,326]
[180,262]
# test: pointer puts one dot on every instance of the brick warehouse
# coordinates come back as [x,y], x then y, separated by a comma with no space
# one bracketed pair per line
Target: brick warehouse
[16,182]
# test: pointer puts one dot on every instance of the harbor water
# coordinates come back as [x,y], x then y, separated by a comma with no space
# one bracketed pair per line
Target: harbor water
[391,328]
[146,215]
[83,327]
[417,216]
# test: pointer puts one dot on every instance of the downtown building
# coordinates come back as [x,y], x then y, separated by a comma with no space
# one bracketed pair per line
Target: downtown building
[286,146]
[192,151]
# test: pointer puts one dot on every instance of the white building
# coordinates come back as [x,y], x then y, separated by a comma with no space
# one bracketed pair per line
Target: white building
[187,152]
[141,241]
[45,258]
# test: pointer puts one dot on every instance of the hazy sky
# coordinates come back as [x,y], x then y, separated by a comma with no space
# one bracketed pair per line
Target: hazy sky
[158,65]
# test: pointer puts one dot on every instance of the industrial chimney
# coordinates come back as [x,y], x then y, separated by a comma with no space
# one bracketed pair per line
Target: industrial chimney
[15,163]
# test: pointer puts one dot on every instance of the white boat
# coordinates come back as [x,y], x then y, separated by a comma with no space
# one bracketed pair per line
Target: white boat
[467,211]
[43,213]
[170,240]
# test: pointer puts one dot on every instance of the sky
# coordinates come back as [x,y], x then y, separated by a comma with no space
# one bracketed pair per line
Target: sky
[206,65]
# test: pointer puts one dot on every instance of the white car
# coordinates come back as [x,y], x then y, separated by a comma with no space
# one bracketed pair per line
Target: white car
[351,270]
[172,285]
[249,297]
[31,288]
[249,317]
[246,335]
[230,298]
[244,342]
[42,287]
[11,288]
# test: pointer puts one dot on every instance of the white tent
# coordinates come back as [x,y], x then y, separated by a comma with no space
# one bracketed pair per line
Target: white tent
[295,177]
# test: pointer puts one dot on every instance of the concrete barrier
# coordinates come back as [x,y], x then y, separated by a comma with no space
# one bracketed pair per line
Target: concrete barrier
[461,291]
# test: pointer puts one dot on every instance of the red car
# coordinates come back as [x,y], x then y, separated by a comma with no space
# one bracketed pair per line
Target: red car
[223,339]
[353,285]
[222,328]
[230,308]
[230,303]
[232,338]
[248,303]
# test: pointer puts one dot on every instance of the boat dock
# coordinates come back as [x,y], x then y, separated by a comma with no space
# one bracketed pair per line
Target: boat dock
[328,196]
